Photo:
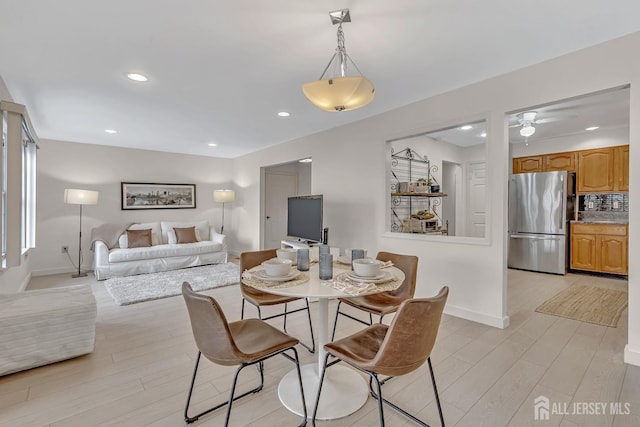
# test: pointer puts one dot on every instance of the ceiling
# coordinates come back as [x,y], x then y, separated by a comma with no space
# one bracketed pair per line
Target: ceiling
[220,71]
[605,111]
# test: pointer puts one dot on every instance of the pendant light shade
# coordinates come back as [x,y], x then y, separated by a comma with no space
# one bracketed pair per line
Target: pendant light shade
[340,92]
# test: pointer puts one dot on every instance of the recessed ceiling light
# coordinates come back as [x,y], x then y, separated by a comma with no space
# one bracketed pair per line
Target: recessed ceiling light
[110,131]
[284,114]
[466,127]
[593,128]
[307,160]
[483,135]
[136,77]
[212,144]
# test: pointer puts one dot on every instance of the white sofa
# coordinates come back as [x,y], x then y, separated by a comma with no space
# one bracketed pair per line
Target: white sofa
[46,325]
[164,253]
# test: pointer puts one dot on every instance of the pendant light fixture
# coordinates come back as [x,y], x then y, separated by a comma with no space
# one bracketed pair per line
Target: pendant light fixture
[339,91]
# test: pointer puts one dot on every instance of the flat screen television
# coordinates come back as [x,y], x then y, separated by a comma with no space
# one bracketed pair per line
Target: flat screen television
[304,218]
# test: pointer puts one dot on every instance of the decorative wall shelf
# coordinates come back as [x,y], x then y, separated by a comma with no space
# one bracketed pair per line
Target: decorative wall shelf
[407,167]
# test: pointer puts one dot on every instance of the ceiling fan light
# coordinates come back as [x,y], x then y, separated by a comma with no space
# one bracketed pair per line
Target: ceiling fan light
[339,93]
[527,130]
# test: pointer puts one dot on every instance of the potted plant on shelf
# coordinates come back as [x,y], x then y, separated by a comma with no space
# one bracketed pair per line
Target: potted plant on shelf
[423,185]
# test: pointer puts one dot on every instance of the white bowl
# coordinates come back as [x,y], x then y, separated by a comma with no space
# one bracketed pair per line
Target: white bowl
[277,267]
[366,267]
[287,253]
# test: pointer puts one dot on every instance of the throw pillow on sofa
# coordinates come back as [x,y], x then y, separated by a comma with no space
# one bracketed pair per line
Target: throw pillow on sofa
[139,238]
[169,236]
[185,235]
[156,233]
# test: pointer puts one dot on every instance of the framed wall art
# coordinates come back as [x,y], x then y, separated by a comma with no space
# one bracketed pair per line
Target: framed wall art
[142,195]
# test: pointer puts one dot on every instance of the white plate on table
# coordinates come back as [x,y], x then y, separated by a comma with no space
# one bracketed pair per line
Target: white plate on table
[344,259]
[384,276]
[264,277]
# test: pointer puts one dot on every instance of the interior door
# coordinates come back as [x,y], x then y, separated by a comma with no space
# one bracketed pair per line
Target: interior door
[477,199]
[278,188]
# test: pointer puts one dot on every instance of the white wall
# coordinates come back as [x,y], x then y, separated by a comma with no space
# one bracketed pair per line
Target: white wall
[68,165]
[350,168]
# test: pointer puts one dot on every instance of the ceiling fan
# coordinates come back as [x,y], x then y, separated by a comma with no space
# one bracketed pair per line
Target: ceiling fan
[526,120]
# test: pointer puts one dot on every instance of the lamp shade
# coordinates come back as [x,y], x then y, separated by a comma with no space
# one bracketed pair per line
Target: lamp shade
[340,93]
[80,197]
[224,196]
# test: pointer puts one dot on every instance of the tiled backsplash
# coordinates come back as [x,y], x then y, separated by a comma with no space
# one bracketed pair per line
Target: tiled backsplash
[609,206]
[609,202]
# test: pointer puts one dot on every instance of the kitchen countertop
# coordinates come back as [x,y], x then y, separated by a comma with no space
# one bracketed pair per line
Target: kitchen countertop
[601,221]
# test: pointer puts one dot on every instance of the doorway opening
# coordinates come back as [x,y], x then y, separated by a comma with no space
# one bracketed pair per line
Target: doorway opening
[279,182]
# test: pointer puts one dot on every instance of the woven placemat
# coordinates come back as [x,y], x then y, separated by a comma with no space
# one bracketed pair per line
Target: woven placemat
[343,283]
[249,279]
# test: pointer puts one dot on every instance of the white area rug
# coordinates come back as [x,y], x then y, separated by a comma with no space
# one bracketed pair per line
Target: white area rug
[145,287]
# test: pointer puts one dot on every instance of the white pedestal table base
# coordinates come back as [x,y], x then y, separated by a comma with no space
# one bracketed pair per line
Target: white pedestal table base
[344,391]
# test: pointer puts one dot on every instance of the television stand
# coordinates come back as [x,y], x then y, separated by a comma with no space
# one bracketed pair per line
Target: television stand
[298,244]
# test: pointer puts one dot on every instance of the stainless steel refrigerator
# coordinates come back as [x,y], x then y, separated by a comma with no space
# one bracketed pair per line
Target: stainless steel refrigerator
[540,207]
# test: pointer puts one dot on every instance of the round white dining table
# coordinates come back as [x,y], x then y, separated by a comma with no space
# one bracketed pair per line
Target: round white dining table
[344,390]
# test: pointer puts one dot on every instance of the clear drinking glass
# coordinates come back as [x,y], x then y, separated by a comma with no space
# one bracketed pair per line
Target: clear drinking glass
[326,266]
[357,254]
[323,249]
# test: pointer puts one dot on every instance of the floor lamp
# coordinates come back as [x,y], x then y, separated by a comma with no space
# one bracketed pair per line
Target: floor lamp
[223,196]
[80,197]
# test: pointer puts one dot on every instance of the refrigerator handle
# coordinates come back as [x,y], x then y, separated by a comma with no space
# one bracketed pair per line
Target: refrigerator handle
[564,202]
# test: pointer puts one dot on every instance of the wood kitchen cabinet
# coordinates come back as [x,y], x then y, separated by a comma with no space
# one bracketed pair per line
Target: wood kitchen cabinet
[560,161]
[622,167]
[546,163]
[603,169]
[527,164]
[599,170]
[600,248]
[595,170]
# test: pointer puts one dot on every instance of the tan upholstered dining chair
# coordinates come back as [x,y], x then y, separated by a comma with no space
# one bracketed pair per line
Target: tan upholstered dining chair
[242,343]
[393,350]
[383,303]
[258,298]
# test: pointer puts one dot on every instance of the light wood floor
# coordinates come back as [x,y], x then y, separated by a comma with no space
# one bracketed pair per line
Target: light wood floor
[140,370]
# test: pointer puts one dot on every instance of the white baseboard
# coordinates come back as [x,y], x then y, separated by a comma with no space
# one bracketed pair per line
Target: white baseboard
[486,319]
[631,356]
[25,283]
[58,270]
